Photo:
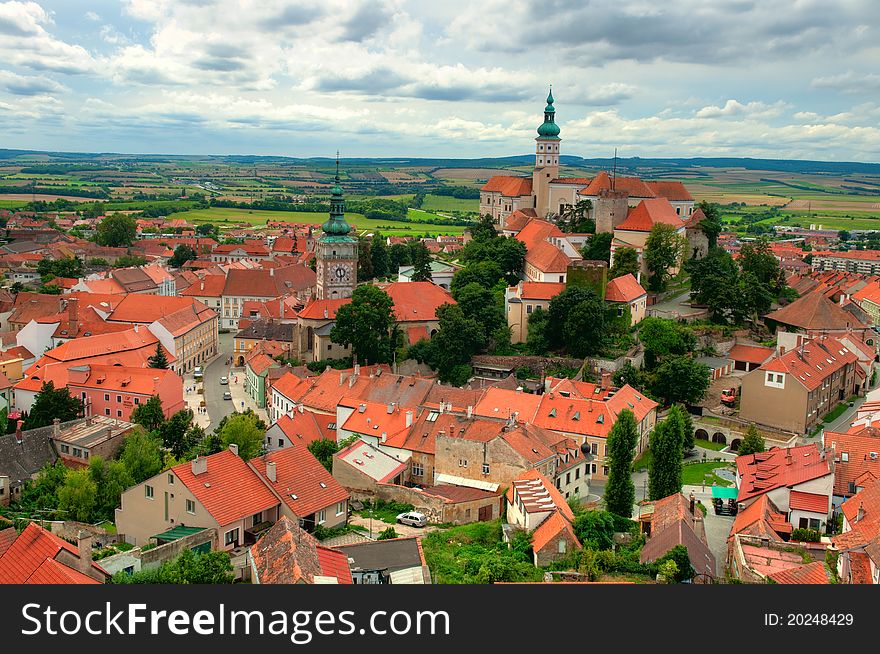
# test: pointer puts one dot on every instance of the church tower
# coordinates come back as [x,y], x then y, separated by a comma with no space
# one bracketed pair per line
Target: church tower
[336,251]
[546,158]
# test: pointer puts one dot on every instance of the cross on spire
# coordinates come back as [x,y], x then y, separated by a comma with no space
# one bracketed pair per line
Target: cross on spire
[337,167]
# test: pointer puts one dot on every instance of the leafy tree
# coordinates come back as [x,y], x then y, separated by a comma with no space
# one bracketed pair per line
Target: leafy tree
[367,323]
[537,341]
[207,229]
[456,341]
[188,568]
[752,442]
[51,403]
[421,261]
[626,262]
[111,479]
[485,273]
[116,230]
[680,379]
[16,288]
[175,433]
[843,235]
[576,321]
[399,255]
[664,468]
[141,454]
[595,529]
[661,338]
[688,428]
[158,360]
[242,430]
[78,495]
[365,259]
[683,570]
[620,493]
[668,571]
[42,492]
[508,253]
[757,258]
[129,261]
[381,260]
[71,267]
[663,251]
[182,254]
[323,449]
[149,414]
[482,305]
[484,230]
[711,224]
[598,248]
[575,218]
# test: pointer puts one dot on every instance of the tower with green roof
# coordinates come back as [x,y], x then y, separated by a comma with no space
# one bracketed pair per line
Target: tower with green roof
[546,159]
[336,250]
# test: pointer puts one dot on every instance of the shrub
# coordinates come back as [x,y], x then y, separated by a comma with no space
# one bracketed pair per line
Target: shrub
[806,535]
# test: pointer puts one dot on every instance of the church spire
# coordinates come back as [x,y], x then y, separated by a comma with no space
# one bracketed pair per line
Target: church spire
[336,224]
[549,129]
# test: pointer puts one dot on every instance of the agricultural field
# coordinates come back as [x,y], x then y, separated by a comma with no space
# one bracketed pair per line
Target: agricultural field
[441,203]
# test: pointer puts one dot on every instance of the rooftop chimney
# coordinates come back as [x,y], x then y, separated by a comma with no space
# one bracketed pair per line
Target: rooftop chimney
[18,438]
[470,411]
[861,513]
[270,471]
[605,379]
[73,316]
[233,447]
[409,418]
[84,545]
[199,465]
[135,328]
[693,502]
[56,427]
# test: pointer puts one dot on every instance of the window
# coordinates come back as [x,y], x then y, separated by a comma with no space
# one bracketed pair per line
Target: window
[594,448]
[257,519]
[65,449]
[148,492]
[106,397]
[118,413]
[462,463]
[107,411]
[119,399]
[528,308]
[191,507]
[561,546]
[322,516]
[77,452]
[605,470]
[137,400]
[485,468]
[844,456]
[417,469]
[280,442]
[340,508]
[775,379]
[593,468]
[577,473]
[231,537]
[814,523]
[567,478]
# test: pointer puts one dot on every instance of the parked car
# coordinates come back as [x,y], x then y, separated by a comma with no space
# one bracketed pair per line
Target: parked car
[227,395]
[413,518]
[224,381]
[728,396]
[199,372]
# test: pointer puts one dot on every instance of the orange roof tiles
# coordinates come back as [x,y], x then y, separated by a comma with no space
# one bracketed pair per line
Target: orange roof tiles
[30,559]
[649,213]
[208,286]
[315,310]
[144,309]
[229,489]
[814,311]
[301,481]
[672,191]
[541,290]
[756,354]
[633,186]
[550,528]
[812,363]
[510,187]
[779,468]
[624,289]
[306,427]
[857,445]
[417,301]
[811,573]
[761,518]
[501,403]
[547,258]
[811,502]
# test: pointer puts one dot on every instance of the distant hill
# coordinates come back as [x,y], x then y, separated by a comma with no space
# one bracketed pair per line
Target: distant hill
[630,164]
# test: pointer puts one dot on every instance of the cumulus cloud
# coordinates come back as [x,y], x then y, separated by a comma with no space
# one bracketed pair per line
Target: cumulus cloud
[849,82]
[28,86]
[733,108]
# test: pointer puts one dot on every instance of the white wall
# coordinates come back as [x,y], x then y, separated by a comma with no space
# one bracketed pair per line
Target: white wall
[36,337]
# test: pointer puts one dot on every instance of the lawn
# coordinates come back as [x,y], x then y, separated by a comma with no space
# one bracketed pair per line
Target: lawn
[643,461]
[695,473]
[385,511]
[226,218]
[835,413]
[709,445]
[12,204]
[449,203]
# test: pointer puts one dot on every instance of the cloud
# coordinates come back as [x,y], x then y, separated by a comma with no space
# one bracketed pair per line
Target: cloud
[24,41]
[366,21]
[733,108]
[849,82]
[607,94]
[28,86]
[21,18]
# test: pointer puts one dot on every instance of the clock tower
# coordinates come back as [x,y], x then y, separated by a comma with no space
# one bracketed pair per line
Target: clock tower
[336,250]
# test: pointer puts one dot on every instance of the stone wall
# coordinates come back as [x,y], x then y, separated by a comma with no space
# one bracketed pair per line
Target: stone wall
[137,559]
[437,509]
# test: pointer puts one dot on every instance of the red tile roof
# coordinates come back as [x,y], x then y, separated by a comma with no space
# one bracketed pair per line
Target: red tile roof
[547,258]
[860,568]
[649,213]
[815,312]
[229,489]
[306,427]
[510,187]
[811,364]
[30,559]
[812,502]
[634,187]
[761,518]
[144,309]
[672,191]
[286,554]
[541,290]
[417,301]
[335,564]
[315,309]
[811,573]
[779,468]
[550,528]
[303,483]
[208,286]
[858,445]
[538,494]
[624,289]
[756,354]
[7,538]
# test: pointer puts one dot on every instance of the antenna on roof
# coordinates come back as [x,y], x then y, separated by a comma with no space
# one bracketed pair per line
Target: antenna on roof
[614,170]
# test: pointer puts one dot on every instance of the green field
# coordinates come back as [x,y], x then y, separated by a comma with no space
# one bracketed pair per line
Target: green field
[12,204]
[228,218]
[449,203]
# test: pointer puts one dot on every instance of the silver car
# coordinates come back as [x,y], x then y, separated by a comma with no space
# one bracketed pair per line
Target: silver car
[413,518]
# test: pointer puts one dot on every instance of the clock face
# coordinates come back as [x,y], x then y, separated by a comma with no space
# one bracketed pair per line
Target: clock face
[341,273]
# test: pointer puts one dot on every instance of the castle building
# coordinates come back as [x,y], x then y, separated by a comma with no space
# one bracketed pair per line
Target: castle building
[336,251]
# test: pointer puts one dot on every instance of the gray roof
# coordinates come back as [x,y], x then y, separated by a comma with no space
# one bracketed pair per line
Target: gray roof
[21,461]
[268,330]
[389,555]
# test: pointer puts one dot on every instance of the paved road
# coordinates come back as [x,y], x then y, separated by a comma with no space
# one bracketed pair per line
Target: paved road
[218,408]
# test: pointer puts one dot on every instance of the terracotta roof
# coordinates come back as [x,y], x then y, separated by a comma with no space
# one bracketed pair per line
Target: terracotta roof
[374,419]
[7,538]
[306,427]
[858,446]
[672,191]
[510,187]
[812,502]
[860,568]
[779,468]
[229,489]
[31,559]
[301,481]
[761,518]
[208,286]
[816,312]
[249,248]
[673,524]
[756,354]
[649,213]
[550,528]
[501,403]
[516,220]
[145,309]
[811,573]
[812,363]
[128,341]
[633,186]
[624,289]
[315,309]
[417,301]
[547,258]
[541,290]
[287,554]
[250,283]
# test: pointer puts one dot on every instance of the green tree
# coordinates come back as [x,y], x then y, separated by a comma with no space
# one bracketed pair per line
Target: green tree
[111,479]
[323,449]
[482,305]
[711,224]
[365,259]
[149,414]
[51,403]
[457,340]
[78,495]
[757,258]
[663,252]
[537,341]
[485,273]
[421,261]
[620,493]
[141,454]
[116,230]
[188,568]
[399,255]
[158,360]
[182,254]
[688,428]
[42,492]
[243,430]
[664,468]
[207,229]
[661,338]
[598,248]
[381,259]
[367,324]
[595,529]
[626,262]
[175,431]
[576,321]
[129,261]
[680,379]
[484,230]
[752,442]
[575,218]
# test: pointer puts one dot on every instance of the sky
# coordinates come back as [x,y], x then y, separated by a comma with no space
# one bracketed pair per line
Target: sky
[792,79]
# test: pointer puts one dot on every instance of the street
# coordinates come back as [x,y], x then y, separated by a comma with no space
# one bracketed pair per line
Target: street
[218,408]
